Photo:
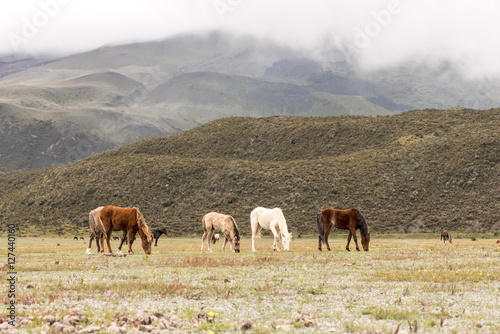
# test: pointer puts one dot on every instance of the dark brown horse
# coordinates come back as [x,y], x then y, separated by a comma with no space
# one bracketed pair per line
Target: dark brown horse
[125,219]
[157,234]
[345,220]
[446,236]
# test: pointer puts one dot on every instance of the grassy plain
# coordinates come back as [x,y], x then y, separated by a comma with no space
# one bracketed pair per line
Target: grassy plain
[399,282]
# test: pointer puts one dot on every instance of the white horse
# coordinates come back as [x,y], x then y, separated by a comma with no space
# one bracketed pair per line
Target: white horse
[270,219]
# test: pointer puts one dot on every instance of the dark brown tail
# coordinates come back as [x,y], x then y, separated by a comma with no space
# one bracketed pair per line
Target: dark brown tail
[321,227]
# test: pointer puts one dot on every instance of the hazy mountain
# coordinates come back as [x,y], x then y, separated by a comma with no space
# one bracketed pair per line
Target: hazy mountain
[59,110]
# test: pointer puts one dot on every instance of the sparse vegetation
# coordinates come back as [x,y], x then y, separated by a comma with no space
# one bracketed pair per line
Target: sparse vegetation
[180,288]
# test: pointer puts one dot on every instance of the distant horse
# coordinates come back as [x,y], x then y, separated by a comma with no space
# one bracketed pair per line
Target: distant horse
[446,236]
[75,238]
[125,219]
[158,232]
[345,220]
[116,238]
[226,224]
[82,238]
[215,238]
[270,219]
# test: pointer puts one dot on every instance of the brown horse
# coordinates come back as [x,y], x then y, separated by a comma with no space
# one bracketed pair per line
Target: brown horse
[226,224]
[344,220]
[446,236]
[125,219]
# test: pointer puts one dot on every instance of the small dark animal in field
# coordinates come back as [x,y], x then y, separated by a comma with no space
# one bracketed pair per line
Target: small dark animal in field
[214,221]
[82,238]
[157,233]
[75,238]
[446,236]
[215,238]
[116,238]
[498,241]
[351,220]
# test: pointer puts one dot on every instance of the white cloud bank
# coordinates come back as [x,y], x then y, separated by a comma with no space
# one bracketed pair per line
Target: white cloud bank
[375,32]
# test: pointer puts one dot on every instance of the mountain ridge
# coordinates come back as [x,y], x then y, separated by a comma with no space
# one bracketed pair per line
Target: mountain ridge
[173,85]
[419,171]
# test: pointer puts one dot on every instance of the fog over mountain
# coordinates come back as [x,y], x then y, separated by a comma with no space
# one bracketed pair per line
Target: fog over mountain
[377,33]
[80,77]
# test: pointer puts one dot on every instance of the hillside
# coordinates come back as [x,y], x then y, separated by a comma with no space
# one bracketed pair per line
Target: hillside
[119,94]
[414,172]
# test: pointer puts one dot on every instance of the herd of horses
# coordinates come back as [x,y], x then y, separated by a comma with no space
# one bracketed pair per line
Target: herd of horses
[106,219]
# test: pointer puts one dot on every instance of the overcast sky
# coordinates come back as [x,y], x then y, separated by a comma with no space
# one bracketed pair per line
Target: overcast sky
[375,32]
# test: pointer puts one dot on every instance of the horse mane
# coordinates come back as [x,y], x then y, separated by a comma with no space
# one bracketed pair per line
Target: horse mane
[362,226]
[236,230]
[141,222]
[283,226]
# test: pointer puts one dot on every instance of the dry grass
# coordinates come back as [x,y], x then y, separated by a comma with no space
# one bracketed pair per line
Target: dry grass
[444,288]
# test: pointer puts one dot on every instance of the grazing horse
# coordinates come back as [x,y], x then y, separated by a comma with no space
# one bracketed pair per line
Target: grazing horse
[446,236]
[125,219]
[82,238]
[226,224]
[344,220]
[158,232]
[270,219]
[75,238]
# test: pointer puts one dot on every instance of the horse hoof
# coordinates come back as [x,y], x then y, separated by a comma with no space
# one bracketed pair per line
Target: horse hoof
[88,251]
[347,249]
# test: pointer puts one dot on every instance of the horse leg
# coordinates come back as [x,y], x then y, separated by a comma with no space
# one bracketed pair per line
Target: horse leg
[254,233]
[122,240]
[353,232]
[203,241]
[276,238]
[225,242]
[210,235]
[90,243]
[131,238]
[101,242]
[108,241]
[327,233]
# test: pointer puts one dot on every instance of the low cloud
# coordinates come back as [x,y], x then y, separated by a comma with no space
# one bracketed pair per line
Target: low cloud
[374,33]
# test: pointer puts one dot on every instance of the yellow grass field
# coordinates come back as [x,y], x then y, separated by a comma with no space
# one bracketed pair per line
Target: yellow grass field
[398,285]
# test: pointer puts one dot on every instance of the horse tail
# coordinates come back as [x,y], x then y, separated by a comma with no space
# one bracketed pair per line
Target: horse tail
[449,235]
[95,223]
[321,227]
[362,226]
[204,224]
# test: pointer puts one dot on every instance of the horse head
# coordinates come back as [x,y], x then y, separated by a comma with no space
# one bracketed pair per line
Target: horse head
[147,241]
[236,243]
[365,240]
[285,240]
